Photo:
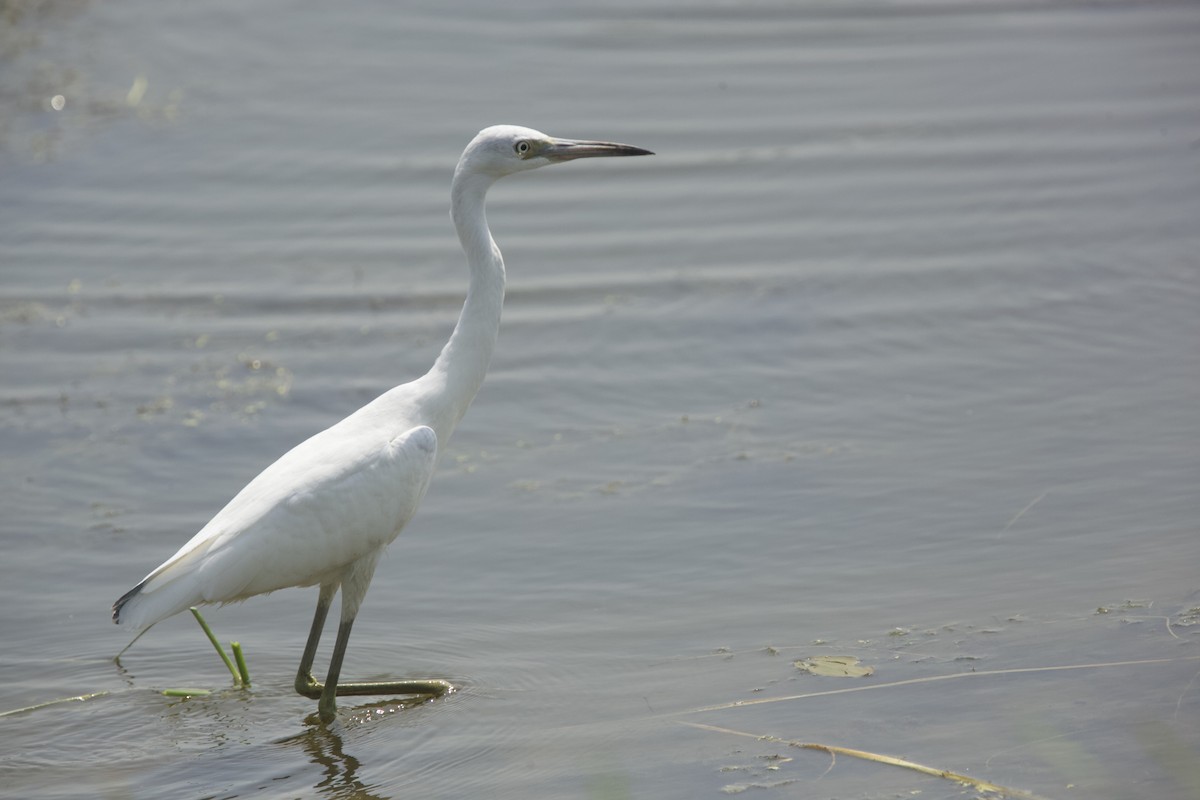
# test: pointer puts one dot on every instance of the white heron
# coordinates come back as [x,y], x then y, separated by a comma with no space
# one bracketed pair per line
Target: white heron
[324,512]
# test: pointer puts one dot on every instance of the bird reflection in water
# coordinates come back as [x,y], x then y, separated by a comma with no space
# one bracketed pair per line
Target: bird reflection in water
[325,746]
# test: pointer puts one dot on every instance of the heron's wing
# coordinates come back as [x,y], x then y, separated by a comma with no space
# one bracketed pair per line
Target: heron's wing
[324,504]
[329,520]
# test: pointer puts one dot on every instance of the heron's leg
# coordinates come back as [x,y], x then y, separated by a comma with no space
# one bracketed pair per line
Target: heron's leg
[305,683]
[327,707]
[353,584]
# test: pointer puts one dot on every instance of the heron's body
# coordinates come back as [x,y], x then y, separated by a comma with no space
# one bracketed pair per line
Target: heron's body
[323,513]
[339,497]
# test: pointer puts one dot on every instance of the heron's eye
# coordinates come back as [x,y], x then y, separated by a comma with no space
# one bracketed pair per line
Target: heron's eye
[522,148]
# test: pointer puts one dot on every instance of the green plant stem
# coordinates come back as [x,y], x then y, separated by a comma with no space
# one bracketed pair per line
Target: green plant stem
[212,637]
[241,662]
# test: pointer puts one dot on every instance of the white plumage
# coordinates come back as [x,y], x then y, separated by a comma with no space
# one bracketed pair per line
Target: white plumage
[323,513]
[330,501]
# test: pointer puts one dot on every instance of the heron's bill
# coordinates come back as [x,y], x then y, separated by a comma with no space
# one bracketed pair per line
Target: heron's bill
[569,149]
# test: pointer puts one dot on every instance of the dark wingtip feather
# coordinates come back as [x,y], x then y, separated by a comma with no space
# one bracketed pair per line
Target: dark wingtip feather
[125,598]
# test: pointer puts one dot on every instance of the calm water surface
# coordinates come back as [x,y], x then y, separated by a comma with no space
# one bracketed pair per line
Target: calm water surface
[891,351]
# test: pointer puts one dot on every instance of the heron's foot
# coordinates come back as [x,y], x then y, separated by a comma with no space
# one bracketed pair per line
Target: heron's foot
[309,687]
[428,687]
[431,687]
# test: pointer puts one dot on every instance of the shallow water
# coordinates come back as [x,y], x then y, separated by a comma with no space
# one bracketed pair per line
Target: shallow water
[889,351]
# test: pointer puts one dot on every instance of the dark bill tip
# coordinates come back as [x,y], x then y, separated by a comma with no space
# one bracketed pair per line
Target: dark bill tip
[568,149]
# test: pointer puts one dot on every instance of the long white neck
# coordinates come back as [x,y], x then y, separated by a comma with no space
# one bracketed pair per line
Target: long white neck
[459,371]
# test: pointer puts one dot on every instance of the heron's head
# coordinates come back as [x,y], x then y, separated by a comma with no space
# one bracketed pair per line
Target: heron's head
[504,149]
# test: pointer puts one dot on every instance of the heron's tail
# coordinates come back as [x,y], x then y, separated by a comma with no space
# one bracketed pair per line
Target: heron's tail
[155,599]
[119,606]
